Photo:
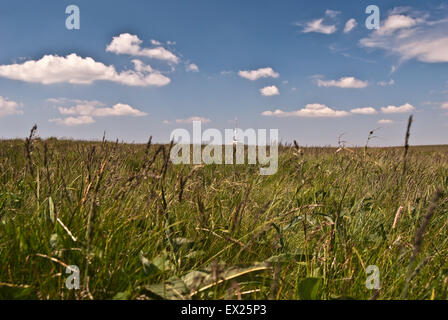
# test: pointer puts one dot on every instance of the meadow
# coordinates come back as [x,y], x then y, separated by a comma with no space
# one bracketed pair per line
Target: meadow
[139,227]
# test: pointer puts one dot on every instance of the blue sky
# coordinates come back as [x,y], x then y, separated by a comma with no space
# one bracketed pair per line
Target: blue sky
[312,70]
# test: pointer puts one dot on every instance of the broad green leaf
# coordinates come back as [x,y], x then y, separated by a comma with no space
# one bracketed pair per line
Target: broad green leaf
[308,288]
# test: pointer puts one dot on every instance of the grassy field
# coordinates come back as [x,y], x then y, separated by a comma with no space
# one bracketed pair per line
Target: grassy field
[139,227]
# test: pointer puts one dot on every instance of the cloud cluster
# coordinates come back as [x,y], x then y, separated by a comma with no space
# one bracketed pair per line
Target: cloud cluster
[258,74]
[51,69]
[85,111]
[411,36]
[317,110]
[344,82]
[401,109]
[314,110]
[8,107]
[269,91]
[127,43]
[319,25]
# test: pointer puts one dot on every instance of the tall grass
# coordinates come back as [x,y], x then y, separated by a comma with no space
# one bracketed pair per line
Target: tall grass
[140,227]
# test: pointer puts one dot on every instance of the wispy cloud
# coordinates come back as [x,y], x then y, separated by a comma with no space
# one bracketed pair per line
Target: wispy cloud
[314,110]
[9,107]
[73,121]
[391,82]
[385,121]
[350,25]
[332,13]
[191,119]
[411,36]
[318,26]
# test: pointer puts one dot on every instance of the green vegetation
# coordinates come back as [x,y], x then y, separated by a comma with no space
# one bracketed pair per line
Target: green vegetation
[140,227]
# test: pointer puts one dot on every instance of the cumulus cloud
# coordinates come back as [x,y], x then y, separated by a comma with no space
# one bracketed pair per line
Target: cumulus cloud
[411,36]
[119,109]
[344,82]
[191,119]
[269,91]
[318,26]
[350,25]
[314,110]
[401,109]
[259,73]
[85,111]
[192,67]
[385,121]
[368,110]
[51,69]
[8,107]
[73,121]
[127,43]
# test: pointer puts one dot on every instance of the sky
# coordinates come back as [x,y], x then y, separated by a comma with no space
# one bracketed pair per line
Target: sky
[311,69]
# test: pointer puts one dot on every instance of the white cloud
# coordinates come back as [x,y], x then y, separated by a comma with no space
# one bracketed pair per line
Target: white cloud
[192,67]
[314,110]
[155,42]
[73,121]
[259,73]
[139,66]
[319,27]
[129,44]
[385,121]
[119,109]
[8,107]
[368,110]
[51,69]
[395,22]
[85,111]
[411,36]
[269,91]
[350,25]
[444,105]
[401,109]
[391,82]
[344,82]
[191,119]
